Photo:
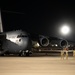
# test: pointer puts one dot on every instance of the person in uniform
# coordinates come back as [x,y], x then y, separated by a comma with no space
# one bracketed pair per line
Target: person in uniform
[66,49]
[74,53]
[64,53]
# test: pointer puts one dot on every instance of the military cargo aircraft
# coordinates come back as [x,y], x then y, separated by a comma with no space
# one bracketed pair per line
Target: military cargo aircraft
[21,43]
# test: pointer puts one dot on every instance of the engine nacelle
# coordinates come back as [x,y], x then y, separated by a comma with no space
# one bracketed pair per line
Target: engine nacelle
[44,41]
[59,42]
[63,43]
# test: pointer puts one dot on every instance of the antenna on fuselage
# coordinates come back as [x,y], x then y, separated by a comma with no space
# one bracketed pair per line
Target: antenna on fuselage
[1,27]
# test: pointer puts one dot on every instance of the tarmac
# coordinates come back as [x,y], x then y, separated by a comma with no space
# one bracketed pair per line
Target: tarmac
[42,65]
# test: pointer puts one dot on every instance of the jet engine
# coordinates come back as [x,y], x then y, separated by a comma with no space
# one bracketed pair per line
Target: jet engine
[59,42]
[63,43]
[44,41]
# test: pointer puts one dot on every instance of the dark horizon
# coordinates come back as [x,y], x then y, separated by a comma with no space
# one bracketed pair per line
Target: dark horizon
[43,18]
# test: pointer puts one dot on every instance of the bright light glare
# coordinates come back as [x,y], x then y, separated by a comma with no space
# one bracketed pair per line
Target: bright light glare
[65,29]
[38,44]
[56,45]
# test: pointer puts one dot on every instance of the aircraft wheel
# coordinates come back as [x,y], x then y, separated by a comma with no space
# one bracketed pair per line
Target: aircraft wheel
[19,54]
[22,53]
[27,54]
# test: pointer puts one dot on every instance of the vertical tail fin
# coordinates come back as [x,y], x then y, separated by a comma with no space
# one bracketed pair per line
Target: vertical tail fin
[1,27]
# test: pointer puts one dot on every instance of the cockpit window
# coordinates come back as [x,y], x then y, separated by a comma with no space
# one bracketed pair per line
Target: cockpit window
[19,40]
[22,35]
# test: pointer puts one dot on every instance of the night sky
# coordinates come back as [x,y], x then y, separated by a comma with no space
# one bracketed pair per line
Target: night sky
[39,17]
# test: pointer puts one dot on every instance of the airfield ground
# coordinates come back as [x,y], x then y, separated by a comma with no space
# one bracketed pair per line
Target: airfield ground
[42,65]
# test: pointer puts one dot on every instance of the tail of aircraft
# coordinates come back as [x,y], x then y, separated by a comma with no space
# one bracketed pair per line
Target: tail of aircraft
[1,27]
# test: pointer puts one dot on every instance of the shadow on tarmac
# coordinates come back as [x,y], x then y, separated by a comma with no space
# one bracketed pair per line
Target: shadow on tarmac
[38,55]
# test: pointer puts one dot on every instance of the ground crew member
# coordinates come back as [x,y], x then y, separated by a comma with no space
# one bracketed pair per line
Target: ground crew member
[74,53]
[64,53]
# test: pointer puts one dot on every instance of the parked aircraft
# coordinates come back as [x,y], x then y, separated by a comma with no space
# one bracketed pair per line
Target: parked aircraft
[19,42]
